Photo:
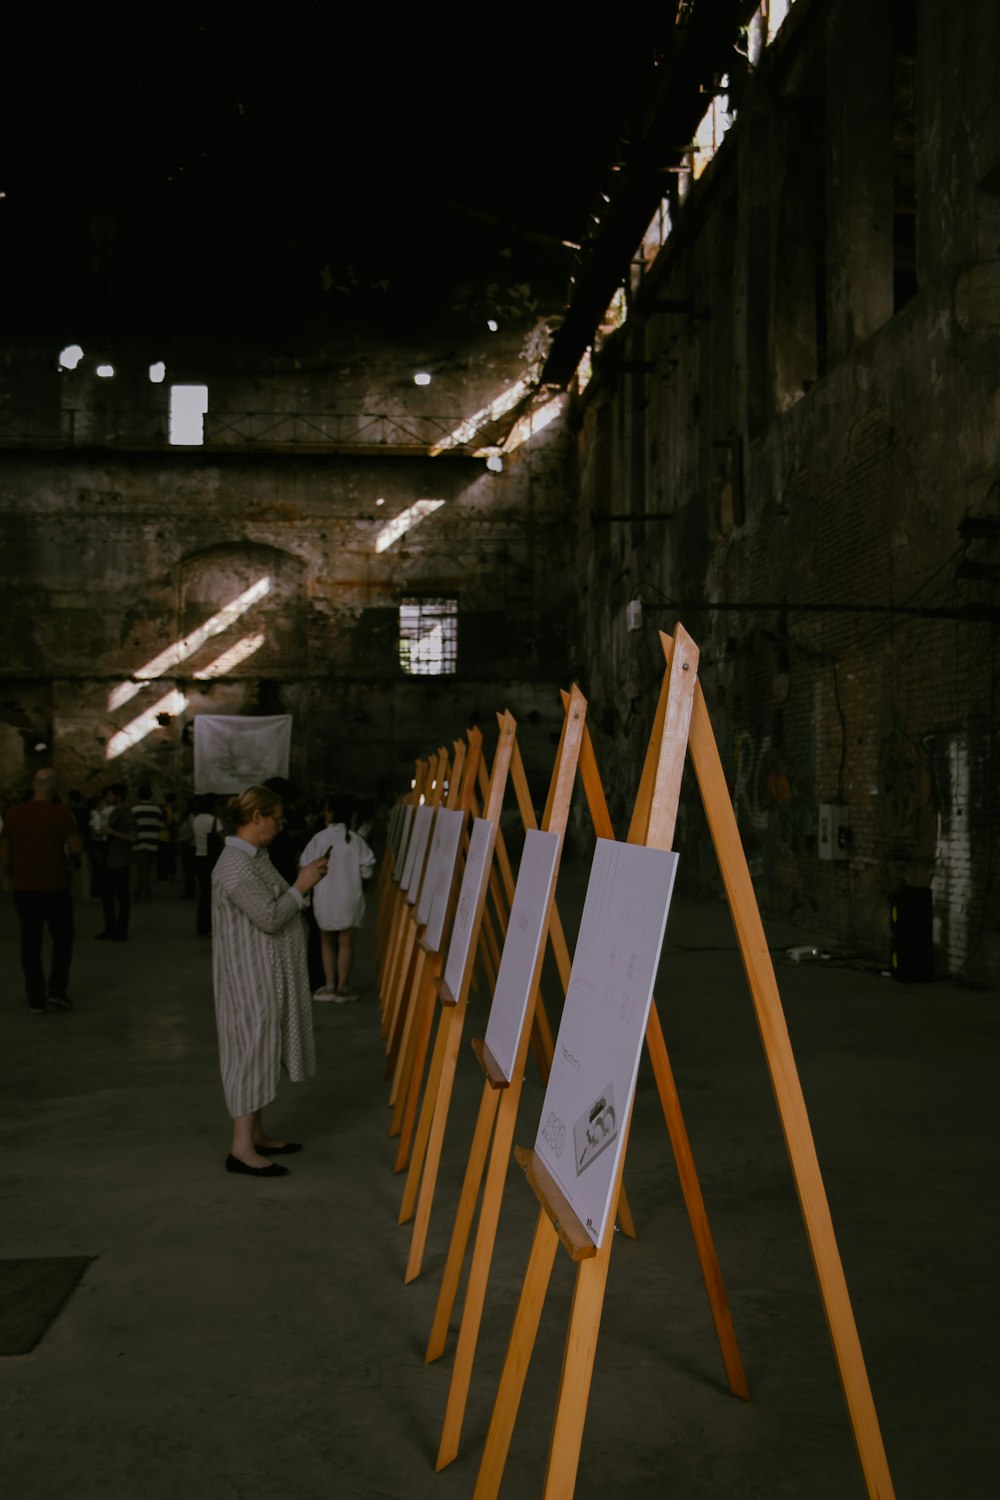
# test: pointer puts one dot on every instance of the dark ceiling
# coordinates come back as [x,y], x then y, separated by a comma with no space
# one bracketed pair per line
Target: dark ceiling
[220,172]
[199,176]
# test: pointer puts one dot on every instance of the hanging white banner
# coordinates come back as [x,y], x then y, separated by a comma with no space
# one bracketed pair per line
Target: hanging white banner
[232,752]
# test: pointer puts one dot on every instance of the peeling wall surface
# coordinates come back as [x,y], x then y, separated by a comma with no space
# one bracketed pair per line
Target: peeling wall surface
[819,398]
[127,575]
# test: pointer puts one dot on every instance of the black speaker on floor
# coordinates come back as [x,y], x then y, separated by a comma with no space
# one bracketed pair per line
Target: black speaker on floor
[911,934]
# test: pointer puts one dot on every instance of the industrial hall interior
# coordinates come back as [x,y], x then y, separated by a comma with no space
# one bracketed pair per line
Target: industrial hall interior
[500,524]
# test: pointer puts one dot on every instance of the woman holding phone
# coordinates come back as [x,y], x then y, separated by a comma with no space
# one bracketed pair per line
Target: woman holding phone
[263,999]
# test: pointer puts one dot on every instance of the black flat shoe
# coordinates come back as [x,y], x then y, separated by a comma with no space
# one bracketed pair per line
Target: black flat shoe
[287,1149]
[233,1164]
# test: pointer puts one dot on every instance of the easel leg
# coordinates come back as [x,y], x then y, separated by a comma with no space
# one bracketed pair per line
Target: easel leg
[422,1037]
[463,1223]
[515,1368]
[424,1123]
[577,1372]
[419,1019]
[479,1270]
[452,1026]
[402,1032]
[697,1213]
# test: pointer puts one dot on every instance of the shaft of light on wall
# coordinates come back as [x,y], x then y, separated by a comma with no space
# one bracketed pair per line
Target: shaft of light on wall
[404,522]
[232,657]
[187,645]
[173,703]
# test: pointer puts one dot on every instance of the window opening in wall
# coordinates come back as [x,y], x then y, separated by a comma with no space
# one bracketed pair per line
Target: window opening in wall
[713,126]
[428,636]
[157,372]
[106,372]
[613,319]
[584,371]
[188,405]
[70,357]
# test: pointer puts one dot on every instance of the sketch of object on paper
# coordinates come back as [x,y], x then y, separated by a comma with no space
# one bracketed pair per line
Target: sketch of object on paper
[554,1132]
[595,1129]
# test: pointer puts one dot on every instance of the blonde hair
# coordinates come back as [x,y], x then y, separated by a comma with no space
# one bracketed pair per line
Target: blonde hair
[239,810]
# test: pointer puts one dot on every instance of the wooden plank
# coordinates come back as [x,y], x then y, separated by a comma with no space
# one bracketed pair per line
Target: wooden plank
[789,1098]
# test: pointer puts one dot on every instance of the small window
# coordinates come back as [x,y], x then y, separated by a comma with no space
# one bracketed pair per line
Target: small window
[428,637]
[188,405]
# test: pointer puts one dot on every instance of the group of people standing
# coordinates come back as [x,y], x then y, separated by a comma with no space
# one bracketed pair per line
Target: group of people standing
[253,906]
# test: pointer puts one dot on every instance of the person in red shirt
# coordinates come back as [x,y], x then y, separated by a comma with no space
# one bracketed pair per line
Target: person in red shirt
[36,838]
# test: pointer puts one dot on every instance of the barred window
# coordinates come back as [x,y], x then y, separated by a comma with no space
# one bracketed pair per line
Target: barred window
[428,637]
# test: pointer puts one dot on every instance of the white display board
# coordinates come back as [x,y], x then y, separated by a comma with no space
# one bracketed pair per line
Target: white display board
[232,753]
[404,842]
[419,839]
[525,934]
[590,1088]
[474,877]
[437,880]
[392,833]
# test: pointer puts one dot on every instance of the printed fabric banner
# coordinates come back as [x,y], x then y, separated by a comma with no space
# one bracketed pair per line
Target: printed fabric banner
[232,753]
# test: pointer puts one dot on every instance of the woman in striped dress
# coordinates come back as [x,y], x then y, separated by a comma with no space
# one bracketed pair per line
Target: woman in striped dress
[262,993]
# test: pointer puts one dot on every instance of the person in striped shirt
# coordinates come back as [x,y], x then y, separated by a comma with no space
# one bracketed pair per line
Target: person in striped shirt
[148,817]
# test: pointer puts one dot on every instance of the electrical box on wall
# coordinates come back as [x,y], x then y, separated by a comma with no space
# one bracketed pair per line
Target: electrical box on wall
[834,839]
[633,614]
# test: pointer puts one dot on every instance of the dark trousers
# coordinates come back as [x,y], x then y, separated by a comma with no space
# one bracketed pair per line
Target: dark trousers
[143,863]
[203,909]
[116,901]
[188,870]
[34,910]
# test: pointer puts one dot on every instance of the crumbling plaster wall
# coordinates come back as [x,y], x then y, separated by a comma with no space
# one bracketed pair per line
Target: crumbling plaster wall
[109,558]
[806,447]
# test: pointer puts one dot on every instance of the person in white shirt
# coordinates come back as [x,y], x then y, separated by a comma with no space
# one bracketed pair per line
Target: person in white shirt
[338,900]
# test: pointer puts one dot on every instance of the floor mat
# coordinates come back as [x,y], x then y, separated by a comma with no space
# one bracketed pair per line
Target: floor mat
[31,1294]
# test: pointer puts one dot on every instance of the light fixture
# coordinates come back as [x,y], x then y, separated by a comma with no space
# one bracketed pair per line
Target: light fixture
[105,371]
[492,324]
[70,357]
[157,372]
[421,378]
[380,500]
[494,463]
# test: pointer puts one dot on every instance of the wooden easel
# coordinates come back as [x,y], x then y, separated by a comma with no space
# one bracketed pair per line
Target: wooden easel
[686,725]
[437,1095]
[453,1009]
[497,1118]
[663,1073]
[425,1158]
[420,1004]
[396,905]
[398,1013]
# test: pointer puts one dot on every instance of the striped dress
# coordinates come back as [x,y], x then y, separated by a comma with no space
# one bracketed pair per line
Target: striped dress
[263,999]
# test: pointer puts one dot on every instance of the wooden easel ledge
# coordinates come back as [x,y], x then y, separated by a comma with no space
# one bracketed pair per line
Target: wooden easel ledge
[567,1226]
[494,1073]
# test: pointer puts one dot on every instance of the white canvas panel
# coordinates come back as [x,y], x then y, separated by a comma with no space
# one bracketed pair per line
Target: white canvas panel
[474,878]
[419,839]
[405,829]
[592,1083]
[436,887]
[232,752]
[535,878]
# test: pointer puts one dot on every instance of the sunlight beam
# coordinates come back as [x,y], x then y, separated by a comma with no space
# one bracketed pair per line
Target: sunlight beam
[408,518]
[174,703]
[180,650]
[232,658]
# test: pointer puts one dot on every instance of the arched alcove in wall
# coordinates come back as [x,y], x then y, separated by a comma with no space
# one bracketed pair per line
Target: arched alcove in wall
[243,607]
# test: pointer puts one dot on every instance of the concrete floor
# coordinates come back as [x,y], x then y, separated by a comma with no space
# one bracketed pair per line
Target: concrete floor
[250,1339]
